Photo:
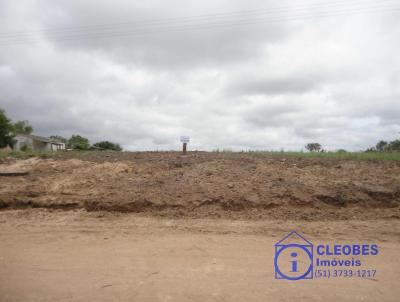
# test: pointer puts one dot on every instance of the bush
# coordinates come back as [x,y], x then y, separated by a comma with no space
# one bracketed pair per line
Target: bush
[106,145]
[25,148]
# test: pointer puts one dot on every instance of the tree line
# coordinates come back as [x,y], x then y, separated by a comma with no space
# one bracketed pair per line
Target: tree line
[8,131]
[381,146]
[384,146]
[78,142]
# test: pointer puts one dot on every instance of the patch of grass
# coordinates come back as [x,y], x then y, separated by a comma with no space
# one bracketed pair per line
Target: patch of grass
[388,156]
[393,156]
[23,154]
[80,154]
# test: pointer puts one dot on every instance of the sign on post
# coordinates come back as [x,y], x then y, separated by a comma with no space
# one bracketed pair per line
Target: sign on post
[184,140]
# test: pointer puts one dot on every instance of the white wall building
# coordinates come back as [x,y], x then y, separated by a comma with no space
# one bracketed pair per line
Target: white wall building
[36,143]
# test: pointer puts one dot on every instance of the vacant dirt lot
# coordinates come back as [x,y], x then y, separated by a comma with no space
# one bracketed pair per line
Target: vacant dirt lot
[201,227]
[204,184]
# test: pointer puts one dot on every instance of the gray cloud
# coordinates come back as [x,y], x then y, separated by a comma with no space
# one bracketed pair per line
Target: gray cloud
[274,86]
[160,39]
[257,86]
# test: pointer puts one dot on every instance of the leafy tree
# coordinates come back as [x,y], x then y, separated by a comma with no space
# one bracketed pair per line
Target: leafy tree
[106,145]
[313,147]
[59,138]
[22,127]
[78,142]
[382,146]
[6,130]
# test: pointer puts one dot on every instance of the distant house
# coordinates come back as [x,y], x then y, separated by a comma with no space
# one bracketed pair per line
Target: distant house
[36,143]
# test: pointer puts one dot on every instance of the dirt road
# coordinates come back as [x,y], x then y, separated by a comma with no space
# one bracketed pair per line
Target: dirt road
[54,255]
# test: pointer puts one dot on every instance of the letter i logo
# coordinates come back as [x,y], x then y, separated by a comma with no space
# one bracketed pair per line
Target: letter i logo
[294,262]
[293,258]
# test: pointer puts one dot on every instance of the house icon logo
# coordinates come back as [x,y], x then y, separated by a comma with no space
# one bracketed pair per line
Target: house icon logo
[293,258]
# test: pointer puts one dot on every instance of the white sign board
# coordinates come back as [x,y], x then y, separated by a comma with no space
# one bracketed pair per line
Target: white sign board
[185,139]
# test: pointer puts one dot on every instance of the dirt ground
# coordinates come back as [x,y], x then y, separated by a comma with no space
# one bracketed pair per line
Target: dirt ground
[159,226]
[201,184]
[57,255]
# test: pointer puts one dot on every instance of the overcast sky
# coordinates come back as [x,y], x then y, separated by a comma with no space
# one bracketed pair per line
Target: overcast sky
[230,74]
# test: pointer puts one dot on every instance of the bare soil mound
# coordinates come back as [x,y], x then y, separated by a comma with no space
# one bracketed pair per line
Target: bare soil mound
[206,184]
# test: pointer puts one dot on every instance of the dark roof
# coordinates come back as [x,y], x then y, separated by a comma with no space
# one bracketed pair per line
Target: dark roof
[42,138]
